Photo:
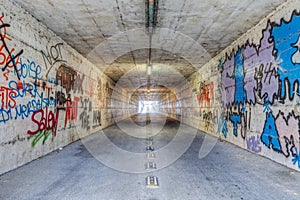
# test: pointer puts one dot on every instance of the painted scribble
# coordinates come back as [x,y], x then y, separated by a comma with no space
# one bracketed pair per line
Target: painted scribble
[265,75]
[286,52]
[253,144]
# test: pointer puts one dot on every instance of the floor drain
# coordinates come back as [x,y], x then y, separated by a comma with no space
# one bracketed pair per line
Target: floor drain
[152,182]
[150,155]
[150,165]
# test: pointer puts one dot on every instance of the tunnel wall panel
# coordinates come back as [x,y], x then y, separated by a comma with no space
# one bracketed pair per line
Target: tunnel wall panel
[249,94]
[50,95]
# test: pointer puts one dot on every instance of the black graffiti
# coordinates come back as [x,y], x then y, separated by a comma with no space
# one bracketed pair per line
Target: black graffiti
[84,115]
[77,87]
[12,58]
[62,99]
[52,55]
[96,118]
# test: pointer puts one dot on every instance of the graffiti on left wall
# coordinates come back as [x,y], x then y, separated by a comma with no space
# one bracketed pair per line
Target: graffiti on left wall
[49,95]
[9,57]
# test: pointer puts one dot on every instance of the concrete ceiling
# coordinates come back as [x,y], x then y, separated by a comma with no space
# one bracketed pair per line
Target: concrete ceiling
[111,33]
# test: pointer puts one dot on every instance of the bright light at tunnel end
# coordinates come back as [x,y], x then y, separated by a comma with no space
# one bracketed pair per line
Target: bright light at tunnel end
[109,154]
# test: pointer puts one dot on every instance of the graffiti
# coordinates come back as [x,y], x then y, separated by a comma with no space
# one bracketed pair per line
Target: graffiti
[23,110]
[29,69]
[296,158]
[52,56]
[253,144]
[296,55]
[239,74]
[15,139]
[66,77]
[96,118]
[286,52]
[5,115]
[205,94]
[222,127]
[91,86]
[269,136]
[100,101]
[61,99]
[6,99]
[23,89]
[46,123]
[288,131]
[71,111]
[207,116]
[235,119]
[7,57]
[227,80]
[108,94]
[77,87]
[84,116]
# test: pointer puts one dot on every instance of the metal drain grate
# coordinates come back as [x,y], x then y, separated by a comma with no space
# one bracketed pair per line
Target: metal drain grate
[152,182]
[150,165]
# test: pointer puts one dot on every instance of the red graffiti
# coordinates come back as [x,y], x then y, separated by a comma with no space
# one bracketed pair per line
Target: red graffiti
[71,110]
[7,57]
[6,99]
[44,121]
[91,85]
[205,94]
[66,77]
[4,36]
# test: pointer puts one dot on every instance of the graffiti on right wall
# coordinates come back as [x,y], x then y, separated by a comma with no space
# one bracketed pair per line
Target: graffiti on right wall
[265,78]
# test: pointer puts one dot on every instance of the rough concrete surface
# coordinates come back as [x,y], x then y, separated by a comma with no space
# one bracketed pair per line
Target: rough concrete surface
[228,172]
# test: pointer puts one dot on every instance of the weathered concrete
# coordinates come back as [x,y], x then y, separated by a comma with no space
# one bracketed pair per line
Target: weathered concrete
[48,94]
[228,172]
[215,24]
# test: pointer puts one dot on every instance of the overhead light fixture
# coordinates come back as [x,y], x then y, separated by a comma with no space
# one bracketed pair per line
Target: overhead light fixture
[149,70]
[151,14]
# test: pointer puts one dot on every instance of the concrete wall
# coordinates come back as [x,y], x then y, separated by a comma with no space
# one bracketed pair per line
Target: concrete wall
[49,94]
[249,94]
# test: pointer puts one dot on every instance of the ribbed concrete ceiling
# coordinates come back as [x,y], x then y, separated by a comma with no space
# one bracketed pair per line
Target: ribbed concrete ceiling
[116,29]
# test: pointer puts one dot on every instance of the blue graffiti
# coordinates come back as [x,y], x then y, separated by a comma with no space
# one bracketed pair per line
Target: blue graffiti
[222,127]
[235,119]
[266,106]
[23,111]
[5,115]
[286,51]
[296,158]
[29,69]
[24,89]
[269,135]
[220,65]
[240,94]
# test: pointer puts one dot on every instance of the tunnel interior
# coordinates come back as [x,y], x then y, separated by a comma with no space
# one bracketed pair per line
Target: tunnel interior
[197,98]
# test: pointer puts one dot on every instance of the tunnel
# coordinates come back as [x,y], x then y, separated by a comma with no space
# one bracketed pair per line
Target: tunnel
[149,99]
